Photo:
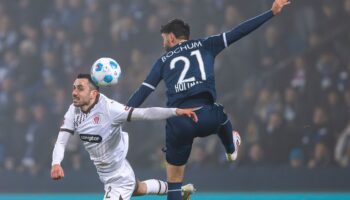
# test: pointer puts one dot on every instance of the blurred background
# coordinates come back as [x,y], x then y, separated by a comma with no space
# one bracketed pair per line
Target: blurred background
[285,87]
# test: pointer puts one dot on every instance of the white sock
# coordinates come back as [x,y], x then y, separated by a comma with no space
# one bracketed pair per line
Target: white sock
[155,186]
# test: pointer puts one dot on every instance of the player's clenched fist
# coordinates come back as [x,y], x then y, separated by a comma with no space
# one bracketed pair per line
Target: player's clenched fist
[57,172]
[278,5]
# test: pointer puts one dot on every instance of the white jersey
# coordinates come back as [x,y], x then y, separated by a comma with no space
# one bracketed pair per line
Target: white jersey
[100,129]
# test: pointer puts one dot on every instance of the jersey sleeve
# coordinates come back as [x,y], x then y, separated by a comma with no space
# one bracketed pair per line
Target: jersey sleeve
[60,145]
[68,121]
[152,113]
[118,112]
[148,86]
[217,43]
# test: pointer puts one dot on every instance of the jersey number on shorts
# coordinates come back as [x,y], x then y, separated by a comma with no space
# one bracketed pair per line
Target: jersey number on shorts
[107,194]
[186,61]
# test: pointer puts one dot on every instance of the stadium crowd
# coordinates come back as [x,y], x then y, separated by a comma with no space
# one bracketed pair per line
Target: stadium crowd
[285,86]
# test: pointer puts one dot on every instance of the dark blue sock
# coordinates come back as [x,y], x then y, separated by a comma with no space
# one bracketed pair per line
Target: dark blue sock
[174,191]
[225,135]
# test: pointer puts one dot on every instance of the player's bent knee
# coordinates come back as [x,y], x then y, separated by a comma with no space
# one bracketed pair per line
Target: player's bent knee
[175,158]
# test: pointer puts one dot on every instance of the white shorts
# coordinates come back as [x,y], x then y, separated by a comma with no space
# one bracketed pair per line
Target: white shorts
[122,185]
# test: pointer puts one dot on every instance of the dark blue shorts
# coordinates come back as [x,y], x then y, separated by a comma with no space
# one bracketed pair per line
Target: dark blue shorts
[180,131]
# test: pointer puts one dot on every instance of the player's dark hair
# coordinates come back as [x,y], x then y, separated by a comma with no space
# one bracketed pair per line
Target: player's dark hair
[179,28]
[88,77]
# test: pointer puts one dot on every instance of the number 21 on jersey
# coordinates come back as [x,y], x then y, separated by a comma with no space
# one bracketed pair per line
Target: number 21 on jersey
[187,62]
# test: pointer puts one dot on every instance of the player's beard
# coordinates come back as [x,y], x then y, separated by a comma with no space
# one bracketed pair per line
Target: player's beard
[167,47]
[78,102]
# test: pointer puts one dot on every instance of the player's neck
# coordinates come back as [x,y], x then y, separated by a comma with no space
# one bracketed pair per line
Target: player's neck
[179,41]
[88,107]
[85,108]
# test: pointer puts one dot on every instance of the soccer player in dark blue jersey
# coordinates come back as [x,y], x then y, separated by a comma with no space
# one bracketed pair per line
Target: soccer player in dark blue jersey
[187,69]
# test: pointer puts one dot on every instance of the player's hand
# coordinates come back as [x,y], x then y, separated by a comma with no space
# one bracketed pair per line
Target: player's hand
[57,172]
[187,112]
[278,5]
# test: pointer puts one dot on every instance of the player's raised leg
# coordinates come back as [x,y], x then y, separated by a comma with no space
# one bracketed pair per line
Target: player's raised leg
[230,139]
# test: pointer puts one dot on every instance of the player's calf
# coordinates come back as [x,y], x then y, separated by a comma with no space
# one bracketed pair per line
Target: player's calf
[151,186]
[159,187]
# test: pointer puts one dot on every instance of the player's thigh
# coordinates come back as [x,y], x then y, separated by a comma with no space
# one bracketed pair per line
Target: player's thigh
[122,186]
[180,132]
[117,191]
[210,119]
[112,192]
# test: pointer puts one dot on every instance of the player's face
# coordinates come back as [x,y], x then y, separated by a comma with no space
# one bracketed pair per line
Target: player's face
[82,93]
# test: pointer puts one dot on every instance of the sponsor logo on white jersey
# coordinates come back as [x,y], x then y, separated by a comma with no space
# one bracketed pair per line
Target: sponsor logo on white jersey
[91,138]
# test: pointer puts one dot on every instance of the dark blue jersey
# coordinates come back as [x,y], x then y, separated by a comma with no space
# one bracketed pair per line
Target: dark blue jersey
[188,68]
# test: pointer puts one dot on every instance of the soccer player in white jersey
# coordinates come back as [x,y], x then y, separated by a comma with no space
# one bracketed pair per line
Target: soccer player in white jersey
[98,122]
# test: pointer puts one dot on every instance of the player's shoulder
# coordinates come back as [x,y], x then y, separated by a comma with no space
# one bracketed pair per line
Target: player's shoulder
[196,40]
[212,37]
[159,62]
[72,109]
[103,98]
[194,43]
[108,102]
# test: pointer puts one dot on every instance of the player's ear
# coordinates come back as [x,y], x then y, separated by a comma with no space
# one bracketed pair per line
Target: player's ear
[172,37]
[94,93]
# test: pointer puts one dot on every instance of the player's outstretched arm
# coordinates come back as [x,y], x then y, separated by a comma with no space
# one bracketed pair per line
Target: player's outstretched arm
[278,5]
[158,113]
[57,172]
[246,27]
